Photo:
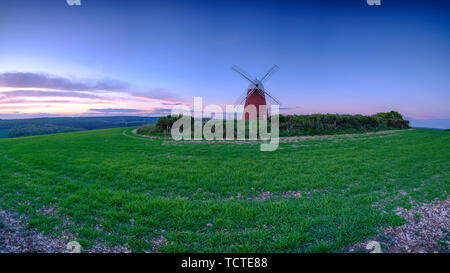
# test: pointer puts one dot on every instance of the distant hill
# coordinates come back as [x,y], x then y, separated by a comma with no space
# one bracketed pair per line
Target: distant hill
[429,123]
[42,126]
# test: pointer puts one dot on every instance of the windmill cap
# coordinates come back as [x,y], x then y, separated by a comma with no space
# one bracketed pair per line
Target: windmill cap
[253,86]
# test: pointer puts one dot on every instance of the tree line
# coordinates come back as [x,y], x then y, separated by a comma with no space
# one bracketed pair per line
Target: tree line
[298,125]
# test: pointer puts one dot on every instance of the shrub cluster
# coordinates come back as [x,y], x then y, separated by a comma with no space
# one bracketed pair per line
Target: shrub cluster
[326,123]
[297,125]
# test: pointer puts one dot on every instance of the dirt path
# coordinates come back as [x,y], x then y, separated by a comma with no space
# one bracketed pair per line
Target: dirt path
[15,237]
[282,139]
[426,231]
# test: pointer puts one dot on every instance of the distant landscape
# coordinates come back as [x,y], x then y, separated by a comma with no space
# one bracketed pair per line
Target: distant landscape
[10,128]
[439,124]
[43,126]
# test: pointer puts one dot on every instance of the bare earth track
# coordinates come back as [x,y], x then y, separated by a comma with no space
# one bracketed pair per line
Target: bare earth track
[282,139]
[16,237]
[426,231]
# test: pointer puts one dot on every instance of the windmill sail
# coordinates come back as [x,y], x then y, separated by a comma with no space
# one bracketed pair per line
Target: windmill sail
[256,93]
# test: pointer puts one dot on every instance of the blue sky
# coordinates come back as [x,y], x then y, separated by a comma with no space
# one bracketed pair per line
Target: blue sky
[334,56]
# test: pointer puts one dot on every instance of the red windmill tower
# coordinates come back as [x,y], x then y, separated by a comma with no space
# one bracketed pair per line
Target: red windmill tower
[256,94]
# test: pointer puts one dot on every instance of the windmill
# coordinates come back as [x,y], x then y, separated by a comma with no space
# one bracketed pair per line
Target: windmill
[256,94]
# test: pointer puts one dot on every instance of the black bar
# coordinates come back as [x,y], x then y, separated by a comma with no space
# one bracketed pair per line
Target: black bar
[223,262]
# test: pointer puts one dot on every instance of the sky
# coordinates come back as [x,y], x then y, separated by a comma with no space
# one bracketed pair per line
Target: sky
[143,57]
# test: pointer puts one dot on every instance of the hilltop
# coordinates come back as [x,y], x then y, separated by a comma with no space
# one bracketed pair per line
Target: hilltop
[113,188]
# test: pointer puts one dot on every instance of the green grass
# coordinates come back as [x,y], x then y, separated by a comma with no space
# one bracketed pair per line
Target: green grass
[109,186]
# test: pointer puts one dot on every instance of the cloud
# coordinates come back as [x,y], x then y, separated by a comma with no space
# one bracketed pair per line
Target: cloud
[16,115]
[153,112]
[28,101]
[40,93]
[117,110]
[22,91]
[25,80]
[15,107]
[41,80]
[161,111]
[229,40]
[155,93]
[178,103]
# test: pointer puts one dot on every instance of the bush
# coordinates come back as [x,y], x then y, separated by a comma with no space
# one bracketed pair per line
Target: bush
[295,125]
[388,115]
[392,119]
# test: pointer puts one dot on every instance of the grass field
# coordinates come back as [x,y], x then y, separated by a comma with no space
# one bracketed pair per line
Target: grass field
[318,194]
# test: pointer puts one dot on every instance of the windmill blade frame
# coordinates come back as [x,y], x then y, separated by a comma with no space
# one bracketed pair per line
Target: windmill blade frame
[269,73]
[257,87]
[272,97]
[241,102]
[263,93]
[243,74]
[241,98]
